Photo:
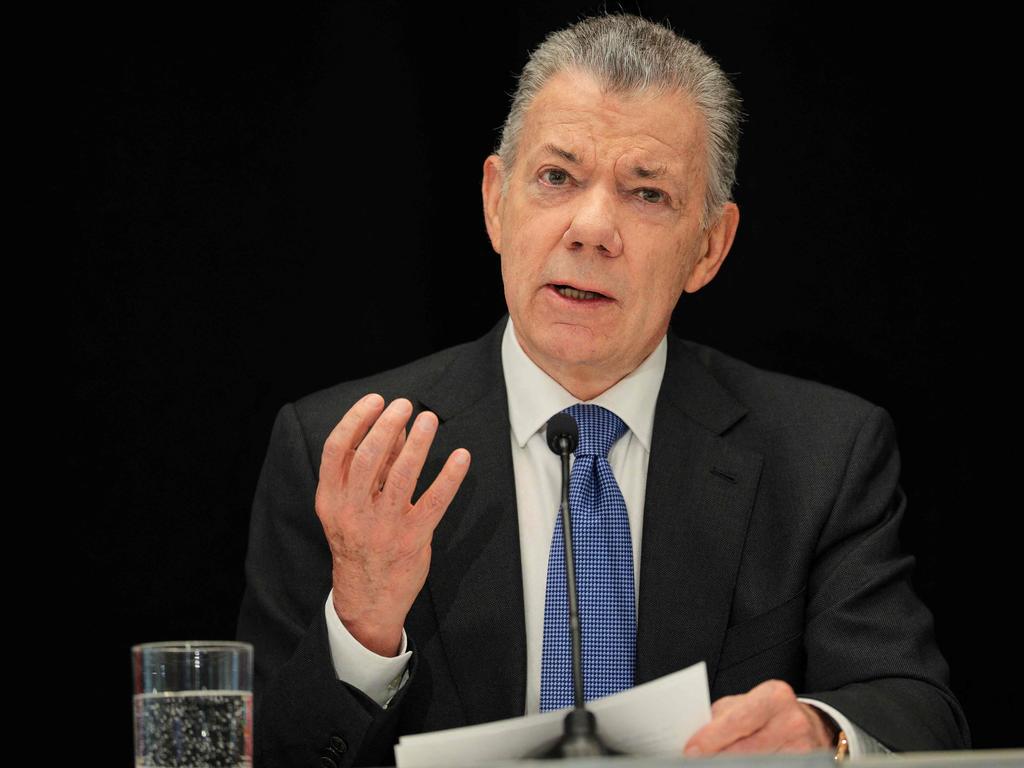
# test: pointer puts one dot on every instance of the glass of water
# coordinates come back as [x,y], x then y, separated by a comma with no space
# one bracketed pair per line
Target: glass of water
[193,704]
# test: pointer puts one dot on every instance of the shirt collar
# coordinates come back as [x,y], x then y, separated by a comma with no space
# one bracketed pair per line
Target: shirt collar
[534,397]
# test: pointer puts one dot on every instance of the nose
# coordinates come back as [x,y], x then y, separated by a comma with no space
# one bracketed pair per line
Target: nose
[594,224]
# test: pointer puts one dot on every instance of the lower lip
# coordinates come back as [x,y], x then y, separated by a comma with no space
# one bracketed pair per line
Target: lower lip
[579,303]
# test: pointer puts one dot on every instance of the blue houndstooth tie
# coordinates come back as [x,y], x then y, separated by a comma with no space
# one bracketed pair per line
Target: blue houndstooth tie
[604,573]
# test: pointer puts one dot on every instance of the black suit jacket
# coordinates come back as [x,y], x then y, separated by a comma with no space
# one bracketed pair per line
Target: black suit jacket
[769,550]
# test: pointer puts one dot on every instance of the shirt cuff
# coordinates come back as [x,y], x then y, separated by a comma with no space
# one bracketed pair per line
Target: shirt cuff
[379,677]
[860,741]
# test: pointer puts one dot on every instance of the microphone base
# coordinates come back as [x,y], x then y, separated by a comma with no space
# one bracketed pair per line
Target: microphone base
[580,738]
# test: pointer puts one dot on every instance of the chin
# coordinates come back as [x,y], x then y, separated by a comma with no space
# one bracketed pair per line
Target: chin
[571,348]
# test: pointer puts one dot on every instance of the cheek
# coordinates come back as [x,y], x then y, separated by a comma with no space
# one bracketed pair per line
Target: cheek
[522,259]
[536,232]
[515,276]
[677,269]
[664,284]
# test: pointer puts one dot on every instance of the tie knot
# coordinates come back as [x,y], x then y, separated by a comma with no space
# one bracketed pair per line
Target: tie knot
[599,428]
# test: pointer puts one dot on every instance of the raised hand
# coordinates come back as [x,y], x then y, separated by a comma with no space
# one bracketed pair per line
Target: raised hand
[379,539]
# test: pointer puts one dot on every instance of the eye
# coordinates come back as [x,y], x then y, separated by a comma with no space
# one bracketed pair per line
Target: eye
[659,196]
[556,176]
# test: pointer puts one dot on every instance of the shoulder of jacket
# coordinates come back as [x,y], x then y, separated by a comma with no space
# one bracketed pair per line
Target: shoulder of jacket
[775,396]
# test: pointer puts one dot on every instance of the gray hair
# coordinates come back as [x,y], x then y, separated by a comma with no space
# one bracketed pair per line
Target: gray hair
[628,54]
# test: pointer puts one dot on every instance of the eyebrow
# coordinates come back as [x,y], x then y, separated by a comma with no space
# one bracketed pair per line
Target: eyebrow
[638,171]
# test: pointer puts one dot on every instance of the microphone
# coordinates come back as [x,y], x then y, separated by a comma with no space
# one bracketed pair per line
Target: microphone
[580,737]
[562,426]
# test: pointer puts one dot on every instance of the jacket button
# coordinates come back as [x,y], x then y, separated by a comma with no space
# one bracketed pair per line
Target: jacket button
[338,744]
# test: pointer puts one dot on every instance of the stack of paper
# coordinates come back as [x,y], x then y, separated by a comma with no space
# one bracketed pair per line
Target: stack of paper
[655,718]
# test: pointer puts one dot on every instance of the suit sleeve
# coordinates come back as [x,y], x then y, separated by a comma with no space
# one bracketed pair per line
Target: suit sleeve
[870,644]
[303,712]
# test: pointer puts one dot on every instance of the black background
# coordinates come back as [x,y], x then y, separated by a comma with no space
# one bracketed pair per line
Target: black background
[268,201]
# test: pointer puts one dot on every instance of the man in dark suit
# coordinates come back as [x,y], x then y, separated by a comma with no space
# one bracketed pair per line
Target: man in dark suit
[393,588]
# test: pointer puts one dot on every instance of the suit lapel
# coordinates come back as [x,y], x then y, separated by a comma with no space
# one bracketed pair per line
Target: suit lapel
[700,490]
[475,579]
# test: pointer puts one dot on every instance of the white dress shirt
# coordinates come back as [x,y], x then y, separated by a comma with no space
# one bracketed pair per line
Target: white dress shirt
[533,398]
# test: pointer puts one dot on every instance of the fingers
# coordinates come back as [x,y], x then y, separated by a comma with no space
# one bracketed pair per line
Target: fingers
[435,500]
[345,436]
[369,451]
[373,451]
[764,719]
[396,449]
[788,730]
[405,472]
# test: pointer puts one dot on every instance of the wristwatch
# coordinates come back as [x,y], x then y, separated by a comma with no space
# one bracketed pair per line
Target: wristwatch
[842,747]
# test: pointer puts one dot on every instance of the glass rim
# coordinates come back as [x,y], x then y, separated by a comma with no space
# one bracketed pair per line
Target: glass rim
[189,646]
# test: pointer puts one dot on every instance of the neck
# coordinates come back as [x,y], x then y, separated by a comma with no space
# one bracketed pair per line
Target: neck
[584,381]
[582,384]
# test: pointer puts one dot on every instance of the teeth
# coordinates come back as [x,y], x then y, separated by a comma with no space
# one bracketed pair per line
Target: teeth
[572,293]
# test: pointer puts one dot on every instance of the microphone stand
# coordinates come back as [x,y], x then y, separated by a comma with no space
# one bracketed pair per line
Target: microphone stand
[579,738]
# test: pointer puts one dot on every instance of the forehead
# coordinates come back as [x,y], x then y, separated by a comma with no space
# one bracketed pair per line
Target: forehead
[642,131]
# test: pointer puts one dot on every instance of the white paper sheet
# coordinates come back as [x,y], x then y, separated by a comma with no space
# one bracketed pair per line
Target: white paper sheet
[655,718]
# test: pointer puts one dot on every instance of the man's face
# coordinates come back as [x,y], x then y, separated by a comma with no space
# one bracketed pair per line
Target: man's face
[584,212]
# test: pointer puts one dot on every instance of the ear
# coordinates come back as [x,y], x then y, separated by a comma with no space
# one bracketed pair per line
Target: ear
[494,172]
[717,243]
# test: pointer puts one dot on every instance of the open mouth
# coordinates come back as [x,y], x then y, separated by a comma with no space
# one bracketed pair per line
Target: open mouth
[570,292]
